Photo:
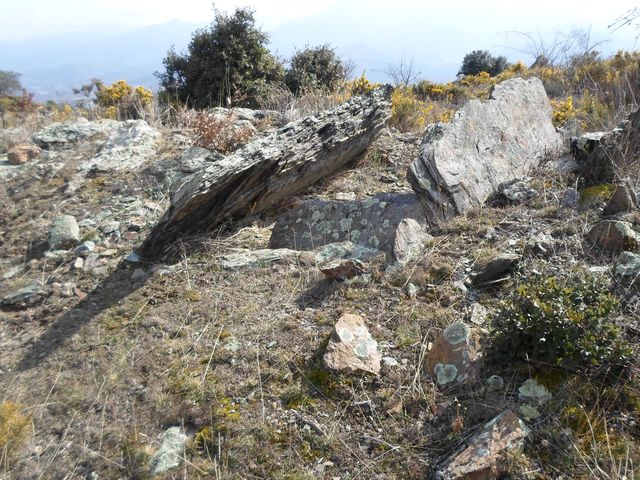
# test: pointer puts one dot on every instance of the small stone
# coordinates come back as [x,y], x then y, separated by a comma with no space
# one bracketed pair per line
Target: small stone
[496,269]
[341,270]
[78,263]
[409,240]
[478,314]
[519,192]
[494,383]
[390,361]
[614,236]
[534,393]
[85,248]
[133,257]
[541,244]
[621,202]
[171,451]
[412,291]
[480,456]
[24,297]
[570,198]
[351,347]
[628,265]
[21,154]
[455,356]
[138,274]
[64,232]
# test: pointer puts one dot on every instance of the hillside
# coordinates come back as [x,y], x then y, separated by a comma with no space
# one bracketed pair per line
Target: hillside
[330,299]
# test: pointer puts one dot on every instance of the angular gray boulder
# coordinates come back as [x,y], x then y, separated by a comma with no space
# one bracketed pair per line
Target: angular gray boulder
[68,133]
[272,168]
[486,144]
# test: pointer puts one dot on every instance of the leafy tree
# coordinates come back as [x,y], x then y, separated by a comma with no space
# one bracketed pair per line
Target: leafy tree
[226,63]
[313,68]
[482,61]
[9,83]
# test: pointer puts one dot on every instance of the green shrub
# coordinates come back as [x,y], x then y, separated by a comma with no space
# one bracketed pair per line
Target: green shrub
[226,63]
[562,322]
[315,68]
[482,61]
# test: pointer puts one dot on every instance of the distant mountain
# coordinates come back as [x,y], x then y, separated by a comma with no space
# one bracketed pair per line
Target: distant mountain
[52,67]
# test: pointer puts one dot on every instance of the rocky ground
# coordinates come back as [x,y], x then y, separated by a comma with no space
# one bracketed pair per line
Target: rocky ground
[239,358]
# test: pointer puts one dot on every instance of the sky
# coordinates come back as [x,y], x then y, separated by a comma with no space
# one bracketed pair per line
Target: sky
[25,19]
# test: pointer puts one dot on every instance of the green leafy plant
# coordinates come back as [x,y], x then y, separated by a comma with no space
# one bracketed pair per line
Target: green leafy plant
[315,68]
[482,61]
[562,322]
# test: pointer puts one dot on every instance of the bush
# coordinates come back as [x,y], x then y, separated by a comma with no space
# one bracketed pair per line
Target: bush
[213,133]
[560,322]
[315,68]
[482,61]
[121,101]
[226,64]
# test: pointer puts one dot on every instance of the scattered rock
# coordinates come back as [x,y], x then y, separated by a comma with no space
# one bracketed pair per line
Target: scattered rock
[25,296]
[68,133]
[495,270]
[272,168]
[495,383]
[351,347]
[390,362]
[528,412]
[541,244]
[21,154]
[478,314]
[479,458]
[64,232]
[412,291]
[343,250]
[78,263]
[409,239]
[256,258]
[455,356]
[519,192]
[533,393]
[622,201]
[341,270]
[171,451]
[486,144]
[628,265]
[570,198]
[374,222]
[614,236]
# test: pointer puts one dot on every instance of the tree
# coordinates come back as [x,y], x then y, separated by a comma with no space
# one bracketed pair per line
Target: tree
[9,83]
[226,64]
[482,61]
[403,73]
[313,68]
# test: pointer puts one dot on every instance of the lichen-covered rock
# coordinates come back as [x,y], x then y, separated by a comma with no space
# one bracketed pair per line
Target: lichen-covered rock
[256,258]
[68,133]
[487,144]
[393,223]
[518,192]
[614,236]
[351,347]
[25,296]
[272,168]
[171,451]
[479,457]
[628,266]
[128,146]
[455,356]
[64,232]
[21,154]
[534,393]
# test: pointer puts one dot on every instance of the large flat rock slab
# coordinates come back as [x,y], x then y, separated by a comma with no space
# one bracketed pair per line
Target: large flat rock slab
[487,144]
[266,171]
[377,222]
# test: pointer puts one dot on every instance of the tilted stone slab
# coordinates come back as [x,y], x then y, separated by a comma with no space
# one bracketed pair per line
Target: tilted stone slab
[486,144]
[272,168]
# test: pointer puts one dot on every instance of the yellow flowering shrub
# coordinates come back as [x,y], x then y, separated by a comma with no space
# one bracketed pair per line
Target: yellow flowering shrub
[562,111]
[121,101]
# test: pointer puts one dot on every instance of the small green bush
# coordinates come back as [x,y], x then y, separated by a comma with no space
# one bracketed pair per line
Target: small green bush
[561,322]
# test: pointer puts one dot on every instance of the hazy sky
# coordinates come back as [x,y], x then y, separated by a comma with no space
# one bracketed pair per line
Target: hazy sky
[23,19]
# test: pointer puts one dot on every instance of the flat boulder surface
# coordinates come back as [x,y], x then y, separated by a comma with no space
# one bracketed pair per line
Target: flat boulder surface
[378,222]
[486,144]
[272,168]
